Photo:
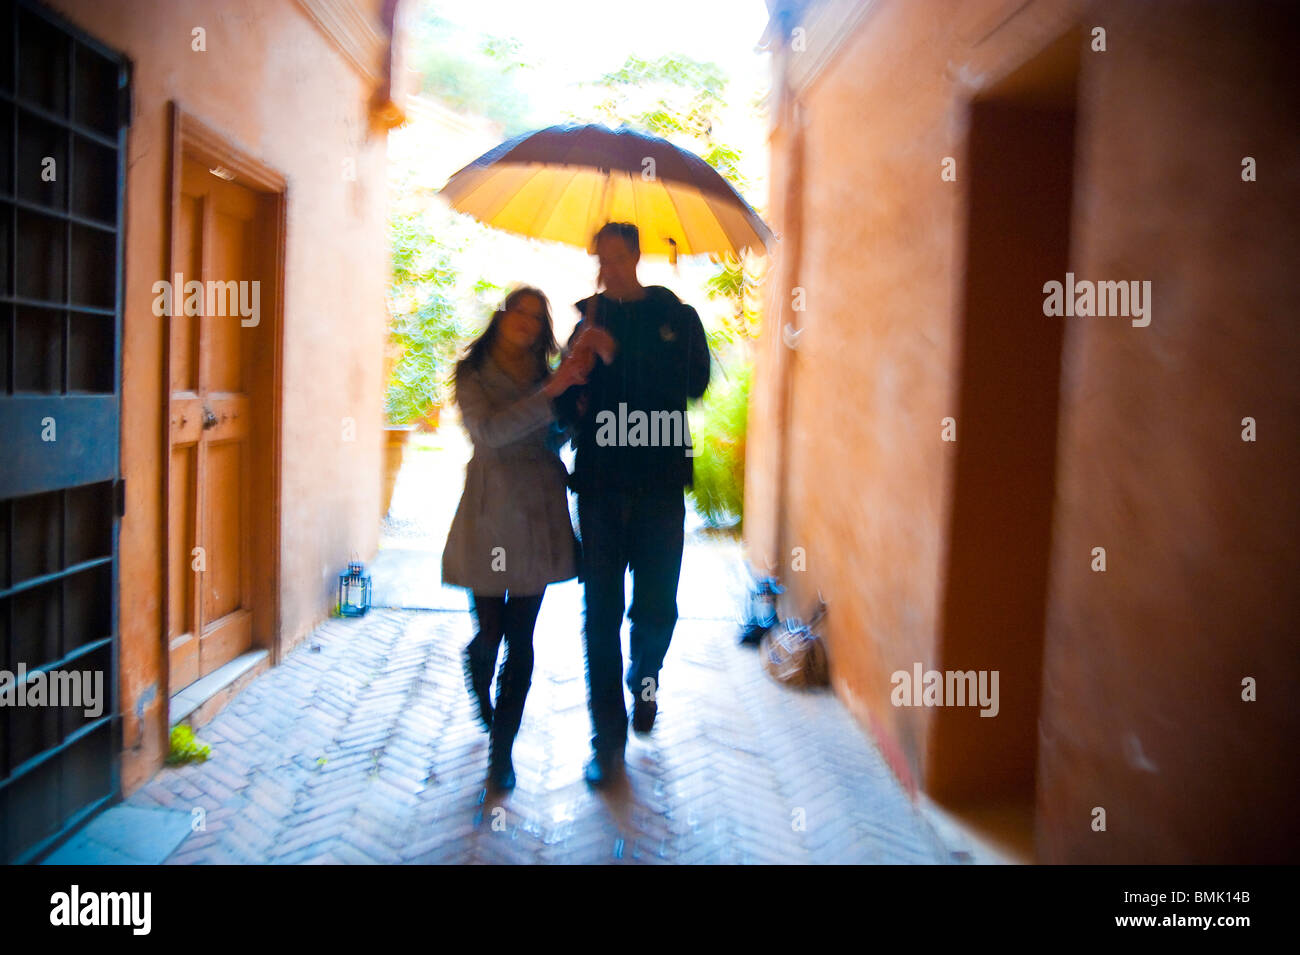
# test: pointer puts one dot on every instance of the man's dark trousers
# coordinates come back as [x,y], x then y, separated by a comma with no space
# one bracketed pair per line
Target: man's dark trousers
[642,531]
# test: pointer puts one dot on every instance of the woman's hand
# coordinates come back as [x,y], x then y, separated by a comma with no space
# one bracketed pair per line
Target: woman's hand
[584,357]
[596,339]
[572,371]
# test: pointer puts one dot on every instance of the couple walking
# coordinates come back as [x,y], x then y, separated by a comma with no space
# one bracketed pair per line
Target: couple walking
[636,349]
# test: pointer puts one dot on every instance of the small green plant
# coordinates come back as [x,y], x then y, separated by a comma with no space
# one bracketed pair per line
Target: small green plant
[185,748]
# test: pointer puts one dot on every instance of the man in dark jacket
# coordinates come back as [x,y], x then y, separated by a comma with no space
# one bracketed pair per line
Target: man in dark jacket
[648,355]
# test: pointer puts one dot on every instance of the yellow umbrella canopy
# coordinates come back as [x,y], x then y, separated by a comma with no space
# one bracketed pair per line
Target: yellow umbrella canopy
[564,182]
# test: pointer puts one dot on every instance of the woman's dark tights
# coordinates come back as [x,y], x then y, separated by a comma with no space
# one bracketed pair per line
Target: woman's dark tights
[511,617]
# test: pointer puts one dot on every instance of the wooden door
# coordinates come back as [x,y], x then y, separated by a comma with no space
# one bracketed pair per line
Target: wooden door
[212,458]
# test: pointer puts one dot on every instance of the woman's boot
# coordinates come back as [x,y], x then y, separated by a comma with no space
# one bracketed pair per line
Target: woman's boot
[478,680]
[512,691]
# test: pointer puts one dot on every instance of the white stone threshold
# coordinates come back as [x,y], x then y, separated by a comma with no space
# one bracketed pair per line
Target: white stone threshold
[183,704]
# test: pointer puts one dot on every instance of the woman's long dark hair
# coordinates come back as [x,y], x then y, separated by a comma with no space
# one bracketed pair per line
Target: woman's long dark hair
[544,349]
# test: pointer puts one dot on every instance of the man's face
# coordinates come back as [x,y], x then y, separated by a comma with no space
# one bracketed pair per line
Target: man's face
[617,262]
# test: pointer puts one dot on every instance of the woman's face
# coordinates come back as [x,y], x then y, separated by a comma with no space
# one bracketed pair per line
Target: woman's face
[522,322]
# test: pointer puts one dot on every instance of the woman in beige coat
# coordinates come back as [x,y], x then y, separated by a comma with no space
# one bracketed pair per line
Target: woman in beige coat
[511,535]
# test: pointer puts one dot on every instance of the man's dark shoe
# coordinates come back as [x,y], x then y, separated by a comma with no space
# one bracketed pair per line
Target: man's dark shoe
[643,715]
[478,680]
[603,769]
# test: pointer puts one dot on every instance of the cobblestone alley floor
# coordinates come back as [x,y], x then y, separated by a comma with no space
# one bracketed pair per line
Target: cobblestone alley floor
[360,747]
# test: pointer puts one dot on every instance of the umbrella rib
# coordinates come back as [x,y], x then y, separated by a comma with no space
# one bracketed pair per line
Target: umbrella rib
[591,198]
[678,212]
[545,211]
[481,183]
[746,221]
[636,211]
[526,183]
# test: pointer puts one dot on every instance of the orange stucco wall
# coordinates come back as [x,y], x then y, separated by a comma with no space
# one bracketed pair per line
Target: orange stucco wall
[872,374]
[273,84]
[1143,712]
[1141,708]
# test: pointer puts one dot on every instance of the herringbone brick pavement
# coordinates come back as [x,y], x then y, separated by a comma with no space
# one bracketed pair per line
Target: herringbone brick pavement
[360,748]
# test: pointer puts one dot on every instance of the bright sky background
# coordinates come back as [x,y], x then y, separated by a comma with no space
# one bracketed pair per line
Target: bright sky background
[578,39]
[566,42]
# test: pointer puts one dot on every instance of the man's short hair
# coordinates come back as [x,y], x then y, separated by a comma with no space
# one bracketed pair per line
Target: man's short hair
[624,230]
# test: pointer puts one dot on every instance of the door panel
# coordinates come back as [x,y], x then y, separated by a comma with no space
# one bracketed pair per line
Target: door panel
[182,514]
[230,254]
[225,537]
[184,367]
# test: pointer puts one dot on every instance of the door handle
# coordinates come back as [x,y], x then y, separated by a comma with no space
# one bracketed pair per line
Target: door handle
[209,419]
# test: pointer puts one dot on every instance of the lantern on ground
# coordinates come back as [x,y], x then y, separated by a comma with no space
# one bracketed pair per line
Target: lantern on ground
[354,591]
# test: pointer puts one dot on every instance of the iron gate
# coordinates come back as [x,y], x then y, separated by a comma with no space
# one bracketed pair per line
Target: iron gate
[63,110]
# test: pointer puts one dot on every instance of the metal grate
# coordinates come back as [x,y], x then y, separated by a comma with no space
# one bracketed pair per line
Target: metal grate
[62,138]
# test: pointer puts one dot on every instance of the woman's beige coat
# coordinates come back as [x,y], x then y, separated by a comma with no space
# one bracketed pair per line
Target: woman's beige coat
[512,530]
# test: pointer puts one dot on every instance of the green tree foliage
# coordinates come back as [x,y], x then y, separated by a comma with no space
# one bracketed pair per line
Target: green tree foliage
[677,98]
[423,322]
[479,76]
[738,281]
[718,428]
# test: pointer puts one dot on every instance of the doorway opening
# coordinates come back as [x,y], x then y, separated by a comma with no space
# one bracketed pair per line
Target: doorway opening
[1020,181]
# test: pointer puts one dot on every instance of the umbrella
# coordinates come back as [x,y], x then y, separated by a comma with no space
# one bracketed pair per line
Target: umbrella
[564,182]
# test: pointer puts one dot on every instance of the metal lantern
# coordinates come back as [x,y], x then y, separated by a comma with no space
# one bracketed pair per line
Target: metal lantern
[762,610]
[354,591]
